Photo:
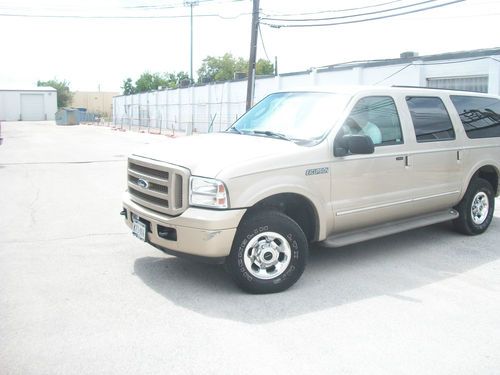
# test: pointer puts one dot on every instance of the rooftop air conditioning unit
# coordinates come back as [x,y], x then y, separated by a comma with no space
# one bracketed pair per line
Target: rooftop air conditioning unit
[408,54]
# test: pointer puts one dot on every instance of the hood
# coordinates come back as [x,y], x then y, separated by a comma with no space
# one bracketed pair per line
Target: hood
[207,155]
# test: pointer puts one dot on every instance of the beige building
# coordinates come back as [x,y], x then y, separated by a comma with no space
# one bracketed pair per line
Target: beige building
[96,102]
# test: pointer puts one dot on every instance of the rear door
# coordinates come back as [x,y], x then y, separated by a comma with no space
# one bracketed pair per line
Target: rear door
[435,156]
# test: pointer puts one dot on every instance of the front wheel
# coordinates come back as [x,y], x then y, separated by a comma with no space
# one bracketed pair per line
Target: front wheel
[476,208]
[269,253]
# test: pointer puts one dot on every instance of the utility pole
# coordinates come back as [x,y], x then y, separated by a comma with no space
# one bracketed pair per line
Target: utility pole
[191,4]
[253,54]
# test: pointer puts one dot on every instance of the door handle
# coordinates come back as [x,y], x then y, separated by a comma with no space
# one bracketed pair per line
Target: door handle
[405,158]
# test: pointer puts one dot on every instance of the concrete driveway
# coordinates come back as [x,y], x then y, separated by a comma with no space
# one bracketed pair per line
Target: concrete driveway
[80,295]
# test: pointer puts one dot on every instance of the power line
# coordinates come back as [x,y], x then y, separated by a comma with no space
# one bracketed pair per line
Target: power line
[435,63]
[350,16]
[145,8]
[59,12]
[393,74]
[159,6]
[73,16]
[275,25]
[332,11]
[178,5]
[274,14]
[262,41]
[462,16]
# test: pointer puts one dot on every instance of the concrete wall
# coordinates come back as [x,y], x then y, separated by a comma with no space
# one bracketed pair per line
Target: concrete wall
[215,106]
[10,103]
[95,102]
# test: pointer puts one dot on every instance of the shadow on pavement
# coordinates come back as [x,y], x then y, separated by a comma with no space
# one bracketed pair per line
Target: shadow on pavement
[388,266]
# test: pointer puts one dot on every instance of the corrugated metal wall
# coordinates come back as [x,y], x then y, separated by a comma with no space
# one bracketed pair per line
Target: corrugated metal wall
[216,106]
[33,105]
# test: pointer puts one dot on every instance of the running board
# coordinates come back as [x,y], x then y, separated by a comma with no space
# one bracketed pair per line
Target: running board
[393,227]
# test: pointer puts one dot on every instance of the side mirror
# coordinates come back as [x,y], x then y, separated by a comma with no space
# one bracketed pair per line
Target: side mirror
[353,144]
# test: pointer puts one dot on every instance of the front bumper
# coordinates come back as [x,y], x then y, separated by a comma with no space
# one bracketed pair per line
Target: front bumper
[199,232]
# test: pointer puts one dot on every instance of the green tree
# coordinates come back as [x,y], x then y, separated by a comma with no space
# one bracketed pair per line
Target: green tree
[264,67]
[223,68]
[150,81]
[154,81]
[175,79]
[128,87]
[64,95]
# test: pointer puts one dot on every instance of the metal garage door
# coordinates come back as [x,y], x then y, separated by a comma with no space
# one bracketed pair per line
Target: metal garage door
[32,107]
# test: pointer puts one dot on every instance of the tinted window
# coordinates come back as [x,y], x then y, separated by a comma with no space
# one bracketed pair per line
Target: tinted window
[377,117]
[480,116]
[430,119]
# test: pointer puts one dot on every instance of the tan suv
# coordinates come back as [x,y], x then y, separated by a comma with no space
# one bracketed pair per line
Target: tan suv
[336,166]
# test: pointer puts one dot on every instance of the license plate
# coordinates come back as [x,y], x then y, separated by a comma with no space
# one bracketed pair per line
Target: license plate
[139,230]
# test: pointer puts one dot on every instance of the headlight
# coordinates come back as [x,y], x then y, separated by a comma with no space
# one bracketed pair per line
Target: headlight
[207,192]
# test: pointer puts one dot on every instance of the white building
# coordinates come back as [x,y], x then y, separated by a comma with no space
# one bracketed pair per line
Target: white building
[31,104]
[215,106]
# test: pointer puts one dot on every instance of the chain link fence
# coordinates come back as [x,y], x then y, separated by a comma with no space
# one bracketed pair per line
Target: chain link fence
[209,108]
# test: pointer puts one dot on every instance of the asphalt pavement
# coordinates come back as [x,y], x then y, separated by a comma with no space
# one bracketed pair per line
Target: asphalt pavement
[80,295]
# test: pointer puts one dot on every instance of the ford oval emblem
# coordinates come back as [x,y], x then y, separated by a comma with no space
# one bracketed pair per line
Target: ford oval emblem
[143,183]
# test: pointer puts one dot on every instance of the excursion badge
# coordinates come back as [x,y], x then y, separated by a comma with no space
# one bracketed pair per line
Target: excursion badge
[315,171]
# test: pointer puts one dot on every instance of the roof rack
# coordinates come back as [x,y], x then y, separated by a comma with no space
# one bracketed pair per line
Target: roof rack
[409,86]
[430,88]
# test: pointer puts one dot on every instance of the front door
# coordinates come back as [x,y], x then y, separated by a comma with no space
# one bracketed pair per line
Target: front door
[375,188]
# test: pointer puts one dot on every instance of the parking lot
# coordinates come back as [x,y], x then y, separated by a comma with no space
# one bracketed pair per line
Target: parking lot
[80,295]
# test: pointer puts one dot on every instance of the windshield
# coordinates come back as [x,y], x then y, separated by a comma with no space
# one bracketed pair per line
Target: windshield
[298,116]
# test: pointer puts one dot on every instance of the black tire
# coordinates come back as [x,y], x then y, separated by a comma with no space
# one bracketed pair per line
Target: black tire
[267,237]
[467,222]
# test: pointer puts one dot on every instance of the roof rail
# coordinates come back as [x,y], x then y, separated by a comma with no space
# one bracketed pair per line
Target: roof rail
[430,88]
[412,87]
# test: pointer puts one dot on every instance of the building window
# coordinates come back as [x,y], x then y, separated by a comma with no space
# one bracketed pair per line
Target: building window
[430,119]
[474,83]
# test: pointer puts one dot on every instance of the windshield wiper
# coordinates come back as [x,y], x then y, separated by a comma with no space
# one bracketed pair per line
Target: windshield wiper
[232,129]
[272,134]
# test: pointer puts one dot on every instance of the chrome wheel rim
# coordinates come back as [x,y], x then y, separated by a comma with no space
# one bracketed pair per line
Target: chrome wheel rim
[480,208]
[267,255]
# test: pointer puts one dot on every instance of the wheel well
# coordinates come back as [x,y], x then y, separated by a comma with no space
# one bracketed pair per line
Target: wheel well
[490,174]
[297,207]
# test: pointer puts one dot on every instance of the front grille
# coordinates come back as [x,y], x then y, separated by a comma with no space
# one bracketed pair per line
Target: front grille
[148,171]
[148,198]
[152,185]
[158,186]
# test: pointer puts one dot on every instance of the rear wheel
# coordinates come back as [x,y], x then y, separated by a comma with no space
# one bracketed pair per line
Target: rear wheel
[476,208]
[269,253]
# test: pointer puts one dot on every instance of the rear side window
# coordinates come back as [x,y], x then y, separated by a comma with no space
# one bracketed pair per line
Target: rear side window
[480,116]
[430,119]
